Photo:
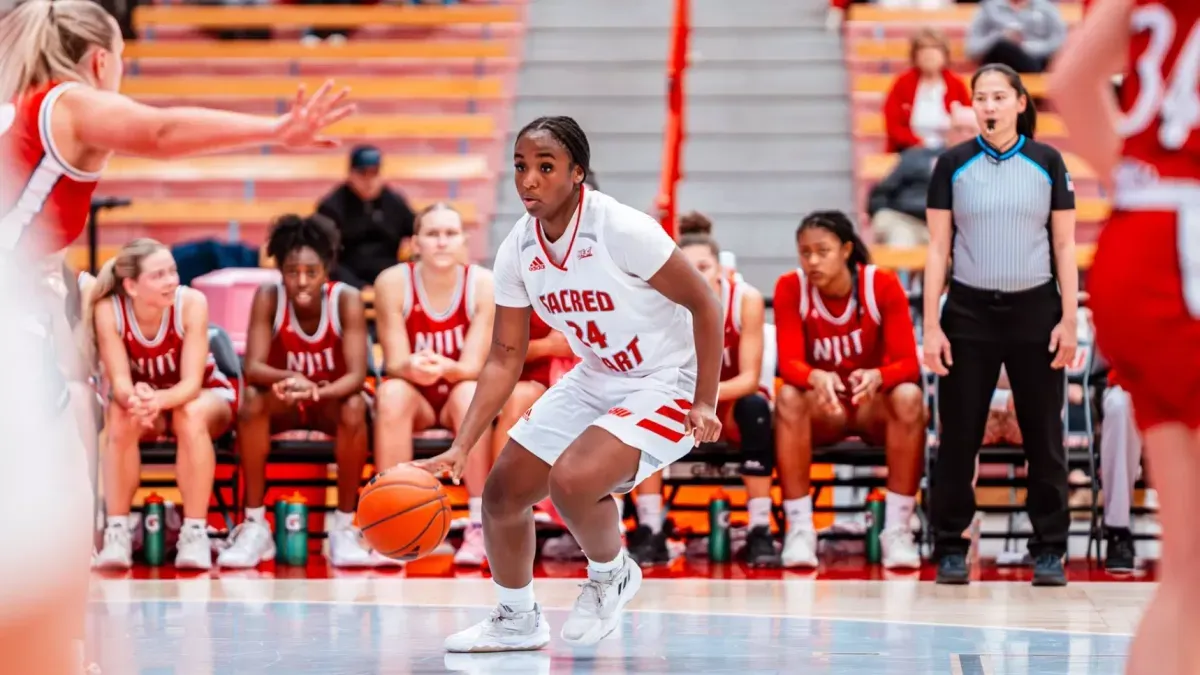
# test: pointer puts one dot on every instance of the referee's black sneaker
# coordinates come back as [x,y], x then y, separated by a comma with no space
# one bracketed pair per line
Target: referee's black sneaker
[952,570]
[760,548]
[649,548]
[1048,570]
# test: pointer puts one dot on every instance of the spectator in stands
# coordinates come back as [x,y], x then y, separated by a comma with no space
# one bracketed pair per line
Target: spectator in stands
[848,359]
[919,106]
[897,203]
[375,222]
[1021,34]
[743,405]
[152,335]
[306,364]
[434,320]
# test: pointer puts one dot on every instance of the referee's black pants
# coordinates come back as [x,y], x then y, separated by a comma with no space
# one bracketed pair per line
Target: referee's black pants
[988,329]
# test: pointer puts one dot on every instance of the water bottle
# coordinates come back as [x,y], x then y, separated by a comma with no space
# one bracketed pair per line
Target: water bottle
[280,516]
[295,536]
[876,517]
[154,532]
[718,527]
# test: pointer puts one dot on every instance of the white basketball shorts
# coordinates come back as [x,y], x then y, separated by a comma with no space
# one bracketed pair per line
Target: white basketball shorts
[645,413]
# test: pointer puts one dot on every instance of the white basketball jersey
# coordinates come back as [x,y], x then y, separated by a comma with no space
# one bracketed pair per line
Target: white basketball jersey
[614,321]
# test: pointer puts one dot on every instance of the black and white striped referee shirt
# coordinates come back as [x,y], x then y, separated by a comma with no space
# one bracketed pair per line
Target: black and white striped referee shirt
[1001,203]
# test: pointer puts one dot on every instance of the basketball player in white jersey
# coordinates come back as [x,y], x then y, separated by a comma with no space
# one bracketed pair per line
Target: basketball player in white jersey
[648,330]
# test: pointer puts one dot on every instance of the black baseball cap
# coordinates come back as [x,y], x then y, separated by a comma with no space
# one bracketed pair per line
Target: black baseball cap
[365,157]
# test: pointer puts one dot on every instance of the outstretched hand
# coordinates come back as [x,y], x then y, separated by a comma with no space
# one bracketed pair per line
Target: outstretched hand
[301,126]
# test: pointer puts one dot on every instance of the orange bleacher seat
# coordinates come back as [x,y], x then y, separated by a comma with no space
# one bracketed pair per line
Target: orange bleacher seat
[217,211]
[954,14]
[871,125]
[366,87]
[292,167]
[913,258]
[289,50]
[894,50]
[881,83]
[874,168]
[321,16]
[416,126]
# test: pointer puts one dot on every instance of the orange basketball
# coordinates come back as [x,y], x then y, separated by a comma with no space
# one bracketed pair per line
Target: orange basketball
[404,513]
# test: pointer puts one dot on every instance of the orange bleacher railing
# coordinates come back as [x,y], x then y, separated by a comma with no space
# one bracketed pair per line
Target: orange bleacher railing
[673,133]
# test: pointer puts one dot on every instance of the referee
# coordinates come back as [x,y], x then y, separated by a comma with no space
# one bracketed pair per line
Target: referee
[1002,208]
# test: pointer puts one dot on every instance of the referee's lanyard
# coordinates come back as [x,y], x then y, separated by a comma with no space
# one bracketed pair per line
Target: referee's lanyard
[998,316]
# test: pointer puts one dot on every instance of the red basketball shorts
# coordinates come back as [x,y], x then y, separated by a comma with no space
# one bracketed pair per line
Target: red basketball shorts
[1145,285]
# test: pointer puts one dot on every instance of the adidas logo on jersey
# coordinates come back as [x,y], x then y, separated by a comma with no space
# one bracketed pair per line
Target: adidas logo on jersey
[537,265]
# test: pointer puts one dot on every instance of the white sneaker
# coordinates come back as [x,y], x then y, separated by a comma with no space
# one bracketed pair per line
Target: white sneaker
[117,553]
[597,611]
[193,551]
[252,544]
[472,552]
[346,549]
[380,560]
[800,548]
[900,550]
[503,631]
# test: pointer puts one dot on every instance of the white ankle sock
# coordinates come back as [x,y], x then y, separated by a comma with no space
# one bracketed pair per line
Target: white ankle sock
[195,524]
[342,520]
[650,512]
[475,510]
[898,510]
[258,514]
[759,509]
[799,513]
[118,521]
[516,599]
[595,568]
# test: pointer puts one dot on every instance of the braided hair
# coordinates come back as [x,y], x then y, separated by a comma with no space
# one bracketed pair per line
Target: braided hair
[840,225]
[569,134]
[292,232]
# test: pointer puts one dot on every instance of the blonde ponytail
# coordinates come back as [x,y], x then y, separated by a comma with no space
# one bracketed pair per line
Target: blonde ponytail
[46,41]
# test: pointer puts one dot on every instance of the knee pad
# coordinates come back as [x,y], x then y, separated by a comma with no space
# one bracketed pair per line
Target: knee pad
[753,416]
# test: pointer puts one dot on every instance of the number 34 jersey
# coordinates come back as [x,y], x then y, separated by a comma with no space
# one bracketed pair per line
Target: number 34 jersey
[591,284]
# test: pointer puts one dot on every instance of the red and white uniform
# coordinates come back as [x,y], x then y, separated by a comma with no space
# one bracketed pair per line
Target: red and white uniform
[156,360]
[869,329]
[539,370]
[637,373]
[44,201]
[442,332]
[318,356]
[1145,280]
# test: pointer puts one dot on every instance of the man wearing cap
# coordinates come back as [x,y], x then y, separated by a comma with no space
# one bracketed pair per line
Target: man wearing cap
[374,221]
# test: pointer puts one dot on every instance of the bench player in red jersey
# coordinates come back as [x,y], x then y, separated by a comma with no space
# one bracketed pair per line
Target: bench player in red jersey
[306,365]
[848,359]
[153,339]
[1145,281]
[743,406]
[435,322]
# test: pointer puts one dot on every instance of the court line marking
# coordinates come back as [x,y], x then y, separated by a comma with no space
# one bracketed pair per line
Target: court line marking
[675,612]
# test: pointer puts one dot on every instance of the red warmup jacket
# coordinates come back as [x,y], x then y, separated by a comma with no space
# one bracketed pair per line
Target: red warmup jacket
[818,333]
[897,108]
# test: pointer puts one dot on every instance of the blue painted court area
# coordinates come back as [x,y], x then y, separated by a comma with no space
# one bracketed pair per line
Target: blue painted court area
[220,638]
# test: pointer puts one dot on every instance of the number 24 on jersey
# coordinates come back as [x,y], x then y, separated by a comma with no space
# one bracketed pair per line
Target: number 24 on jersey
[620,362]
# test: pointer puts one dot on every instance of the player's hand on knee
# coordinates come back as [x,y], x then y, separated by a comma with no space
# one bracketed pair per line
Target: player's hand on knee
[864,384]
[828,387]
[703,424]
[450,463]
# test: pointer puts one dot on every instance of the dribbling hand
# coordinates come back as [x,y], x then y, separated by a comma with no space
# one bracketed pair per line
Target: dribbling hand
[702,423]
[301,126]
[450,463]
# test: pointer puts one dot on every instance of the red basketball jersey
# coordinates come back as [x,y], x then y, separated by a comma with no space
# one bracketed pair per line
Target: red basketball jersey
[1161,98]
[317,356]
[731,296]
[41,195]
[156,360]
[442,331]
[845,334]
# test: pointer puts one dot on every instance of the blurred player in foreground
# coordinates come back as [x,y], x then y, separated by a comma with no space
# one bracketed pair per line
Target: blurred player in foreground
[1145,281]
